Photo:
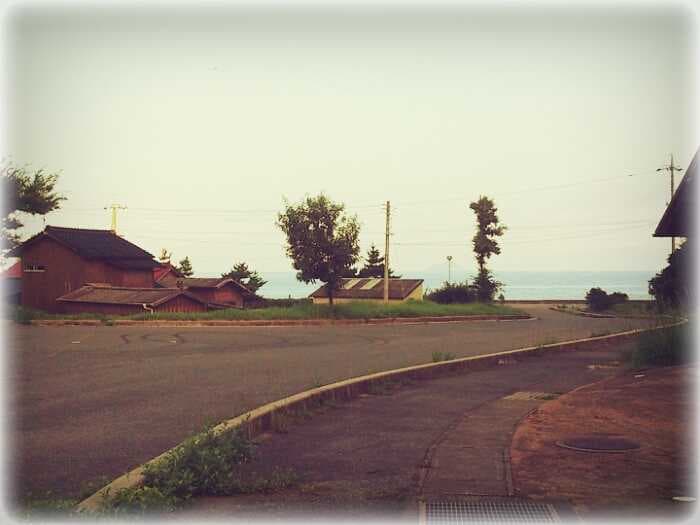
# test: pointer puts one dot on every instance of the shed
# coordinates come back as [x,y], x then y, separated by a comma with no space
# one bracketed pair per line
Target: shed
[105,299]
[371,290]
[221,292]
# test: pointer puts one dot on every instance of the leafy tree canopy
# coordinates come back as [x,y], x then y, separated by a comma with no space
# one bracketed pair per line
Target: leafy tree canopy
[321,240]
[485,245]
[244,275]
[672,286]
[25,191]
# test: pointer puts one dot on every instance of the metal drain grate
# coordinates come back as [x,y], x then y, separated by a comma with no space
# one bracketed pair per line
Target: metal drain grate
[531,396]
[489,511]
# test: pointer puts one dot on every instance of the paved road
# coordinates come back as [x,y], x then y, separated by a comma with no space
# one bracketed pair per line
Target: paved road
[87,402]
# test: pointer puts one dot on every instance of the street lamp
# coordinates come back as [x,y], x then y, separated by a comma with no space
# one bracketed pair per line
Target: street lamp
[449,268]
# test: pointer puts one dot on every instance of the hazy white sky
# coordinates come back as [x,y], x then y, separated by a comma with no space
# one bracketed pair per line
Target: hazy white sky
[202,120]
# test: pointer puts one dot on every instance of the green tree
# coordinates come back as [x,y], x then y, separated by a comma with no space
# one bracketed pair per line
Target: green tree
[185,267]
[247,277]
[672,286]
[485,245]
[321,240]
[374,265]
[25,191]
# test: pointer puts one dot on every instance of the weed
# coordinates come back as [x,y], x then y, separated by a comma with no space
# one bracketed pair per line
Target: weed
[662,347]
[139,500]
[46,505]
[440,356]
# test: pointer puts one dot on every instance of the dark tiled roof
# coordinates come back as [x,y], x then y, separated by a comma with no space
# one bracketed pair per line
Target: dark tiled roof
[96,244]
[100,294]
[213,282]
[398,289]
[677,220]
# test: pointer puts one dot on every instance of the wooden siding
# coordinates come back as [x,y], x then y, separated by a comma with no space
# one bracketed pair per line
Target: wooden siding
[67,271]
[227,294]
[178,304]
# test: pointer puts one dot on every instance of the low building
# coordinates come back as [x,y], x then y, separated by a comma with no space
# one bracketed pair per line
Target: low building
[58,261]
[219,292]
[371,290]
[101,298]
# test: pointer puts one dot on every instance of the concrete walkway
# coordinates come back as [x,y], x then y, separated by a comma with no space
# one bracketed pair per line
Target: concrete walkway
[379,455]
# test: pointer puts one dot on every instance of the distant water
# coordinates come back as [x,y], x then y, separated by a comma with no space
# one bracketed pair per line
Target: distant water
[518,285]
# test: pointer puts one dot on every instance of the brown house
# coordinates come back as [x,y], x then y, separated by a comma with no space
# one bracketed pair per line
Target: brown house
[106,299]
[165,275]
[219,292]
[58,261]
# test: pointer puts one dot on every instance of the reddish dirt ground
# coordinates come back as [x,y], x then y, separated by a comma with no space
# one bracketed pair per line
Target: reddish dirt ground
[654,408]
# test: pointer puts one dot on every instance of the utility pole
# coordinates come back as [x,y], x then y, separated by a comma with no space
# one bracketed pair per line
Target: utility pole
[449,269]
[386,252]
[114,208]
[671,168]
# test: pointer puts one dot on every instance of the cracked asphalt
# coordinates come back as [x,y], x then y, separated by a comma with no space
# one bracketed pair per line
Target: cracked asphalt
[91,402]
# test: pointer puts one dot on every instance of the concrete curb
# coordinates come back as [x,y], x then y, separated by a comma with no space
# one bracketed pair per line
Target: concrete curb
[280,322]
[609,316]
[263,418]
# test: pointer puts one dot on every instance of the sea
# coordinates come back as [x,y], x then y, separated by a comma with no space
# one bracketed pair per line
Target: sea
[516,285]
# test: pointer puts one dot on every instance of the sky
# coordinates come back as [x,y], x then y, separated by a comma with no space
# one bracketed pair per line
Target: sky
[201,121]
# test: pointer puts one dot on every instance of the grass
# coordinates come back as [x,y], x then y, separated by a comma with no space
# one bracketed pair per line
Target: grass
[663,347]
[440,356]
[299,311]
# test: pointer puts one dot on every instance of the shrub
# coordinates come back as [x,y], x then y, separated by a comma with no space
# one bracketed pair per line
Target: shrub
[203,464]
[486,286]
[599,300]
[140,500]
[663,347]
[453,293]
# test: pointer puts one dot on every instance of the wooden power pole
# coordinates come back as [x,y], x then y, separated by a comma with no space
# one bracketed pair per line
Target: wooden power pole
[114,208]
[386,252]
[671,169]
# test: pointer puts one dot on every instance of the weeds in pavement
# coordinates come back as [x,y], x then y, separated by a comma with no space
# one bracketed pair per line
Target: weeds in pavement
[443,356]
[663,347]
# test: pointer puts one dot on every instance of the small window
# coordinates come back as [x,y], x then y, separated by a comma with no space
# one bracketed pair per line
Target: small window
[33,268]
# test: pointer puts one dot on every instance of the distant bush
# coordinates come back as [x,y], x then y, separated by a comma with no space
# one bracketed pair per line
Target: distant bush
[453,293]
[599,300]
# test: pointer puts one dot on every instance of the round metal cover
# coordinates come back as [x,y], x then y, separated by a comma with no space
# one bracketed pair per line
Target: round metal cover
[598,443]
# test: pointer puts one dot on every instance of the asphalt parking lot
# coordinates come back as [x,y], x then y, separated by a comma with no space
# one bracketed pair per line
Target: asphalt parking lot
[89,402]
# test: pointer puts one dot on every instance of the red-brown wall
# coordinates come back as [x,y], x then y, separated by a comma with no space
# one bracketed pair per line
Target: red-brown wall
[179,304]
[67,271]
[227,294]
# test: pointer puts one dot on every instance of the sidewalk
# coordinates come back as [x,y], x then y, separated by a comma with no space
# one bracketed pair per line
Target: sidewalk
[382,454]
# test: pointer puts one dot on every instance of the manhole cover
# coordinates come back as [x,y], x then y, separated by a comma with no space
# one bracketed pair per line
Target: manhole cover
[598,444]
[489,511]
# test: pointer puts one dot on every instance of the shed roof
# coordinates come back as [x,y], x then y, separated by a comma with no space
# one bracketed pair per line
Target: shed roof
[95,244]
[214,282]
[677,220]
[164,269]
[363,289]
[97,293]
